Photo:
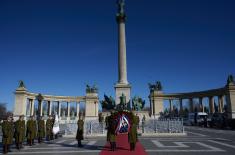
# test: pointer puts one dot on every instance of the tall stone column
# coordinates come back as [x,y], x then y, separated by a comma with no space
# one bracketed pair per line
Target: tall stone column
[122,87]
[59,109]
[68,111]
[49,107]
[78,109]
[220,108]
[40,107]
[181,106]
[191,105]
[201,104]
[211,105]
[171,105]
[31,102]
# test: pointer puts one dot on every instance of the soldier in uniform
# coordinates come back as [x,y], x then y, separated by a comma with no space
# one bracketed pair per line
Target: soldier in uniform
[34,128]
[107,120]
[112,132]
[30,133]
[19,132]
[79,135]
[52,124]
[41,130]
[7,134]
[49,127]
[132,135]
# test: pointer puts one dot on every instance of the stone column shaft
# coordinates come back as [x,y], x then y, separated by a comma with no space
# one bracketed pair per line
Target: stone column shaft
[122,53]
[171,105]
[59,109]
[31,101]
[78,108]
[191,105]
[200,104]
[211,105]
[68,109]
[49,107]
[181,105]
[41,107]
[220,106]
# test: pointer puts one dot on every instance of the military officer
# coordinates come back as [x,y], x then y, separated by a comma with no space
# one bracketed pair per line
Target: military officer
[7,134]
[41,130]
[79,135]
[30,134]
[49,127]
[19,132]
[107,122]
[34,128]
[132,135]
[112,132]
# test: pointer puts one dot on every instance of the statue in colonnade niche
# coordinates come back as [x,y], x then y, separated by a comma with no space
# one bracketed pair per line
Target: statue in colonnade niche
[138,103]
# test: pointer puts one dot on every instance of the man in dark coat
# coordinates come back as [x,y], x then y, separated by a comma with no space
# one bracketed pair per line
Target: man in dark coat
[41,130]
[79,135]
[19,132]
[7,134]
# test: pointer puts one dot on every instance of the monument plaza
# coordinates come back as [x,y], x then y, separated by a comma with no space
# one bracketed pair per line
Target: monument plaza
[159,131]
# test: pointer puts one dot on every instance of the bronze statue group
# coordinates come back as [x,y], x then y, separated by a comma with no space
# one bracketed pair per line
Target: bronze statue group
[111,126]
[33,129]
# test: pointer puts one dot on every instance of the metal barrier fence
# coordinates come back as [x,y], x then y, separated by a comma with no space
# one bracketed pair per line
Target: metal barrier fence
[95,128]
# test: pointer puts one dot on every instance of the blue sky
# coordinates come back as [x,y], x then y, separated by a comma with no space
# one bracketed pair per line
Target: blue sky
[57,47]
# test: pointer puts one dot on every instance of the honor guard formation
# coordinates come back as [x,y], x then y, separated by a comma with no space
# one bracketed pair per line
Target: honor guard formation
[20,130]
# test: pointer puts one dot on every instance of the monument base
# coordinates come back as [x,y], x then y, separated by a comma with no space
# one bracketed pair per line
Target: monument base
[124,89]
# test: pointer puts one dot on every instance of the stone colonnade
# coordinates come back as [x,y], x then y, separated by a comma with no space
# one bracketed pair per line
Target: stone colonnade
[226,93]
[25,101]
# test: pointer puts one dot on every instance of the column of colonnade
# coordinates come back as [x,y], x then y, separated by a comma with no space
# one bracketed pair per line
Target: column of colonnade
[49,107]
[200,107]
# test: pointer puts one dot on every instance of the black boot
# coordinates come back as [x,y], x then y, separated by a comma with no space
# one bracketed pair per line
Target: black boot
[4,149]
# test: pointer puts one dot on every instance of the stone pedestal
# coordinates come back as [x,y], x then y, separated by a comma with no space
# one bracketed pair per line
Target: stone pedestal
[231,100]
[122,89]
[156,103]
[20,102]
[91,107]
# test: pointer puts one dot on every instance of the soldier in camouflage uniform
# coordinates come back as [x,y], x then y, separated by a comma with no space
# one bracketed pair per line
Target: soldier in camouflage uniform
[7,134]
[19,132]
[31,132]
[49,128]
[112,132]
[34,128]
[41,130]
[107,120]
[79,135]
[132,135]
